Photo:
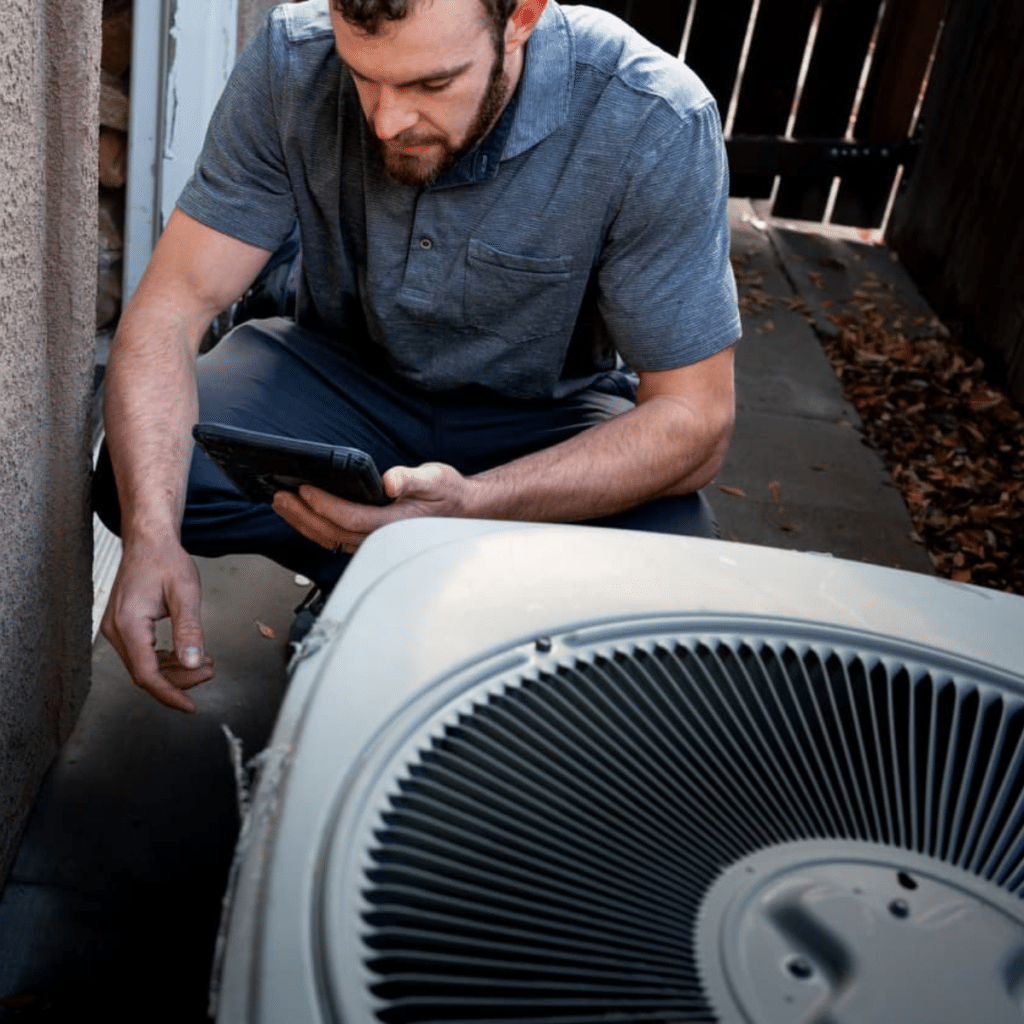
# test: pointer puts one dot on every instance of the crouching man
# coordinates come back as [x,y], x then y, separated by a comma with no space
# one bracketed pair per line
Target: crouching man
[515,295]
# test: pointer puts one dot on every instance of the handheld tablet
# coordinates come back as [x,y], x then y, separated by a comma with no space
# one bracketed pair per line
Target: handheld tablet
[260,464]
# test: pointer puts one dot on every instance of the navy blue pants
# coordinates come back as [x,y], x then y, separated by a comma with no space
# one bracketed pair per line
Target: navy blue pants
[277,377]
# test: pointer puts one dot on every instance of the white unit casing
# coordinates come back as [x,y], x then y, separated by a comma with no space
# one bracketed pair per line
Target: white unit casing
[758,670]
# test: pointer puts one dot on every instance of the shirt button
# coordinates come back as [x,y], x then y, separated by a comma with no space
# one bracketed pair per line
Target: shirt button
[426,243]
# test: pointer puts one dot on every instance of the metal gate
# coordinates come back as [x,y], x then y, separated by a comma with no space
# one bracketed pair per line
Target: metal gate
[819,97]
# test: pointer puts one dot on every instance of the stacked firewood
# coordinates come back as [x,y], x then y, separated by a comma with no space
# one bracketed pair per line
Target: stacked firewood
[113,156]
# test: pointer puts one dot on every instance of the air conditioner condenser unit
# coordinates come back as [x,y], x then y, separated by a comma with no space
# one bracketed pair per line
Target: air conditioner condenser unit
[559,774]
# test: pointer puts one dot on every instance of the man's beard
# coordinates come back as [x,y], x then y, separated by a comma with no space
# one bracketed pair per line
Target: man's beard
[415,171]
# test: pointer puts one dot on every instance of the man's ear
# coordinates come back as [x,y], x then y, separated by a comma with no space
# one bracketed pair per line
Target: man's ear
[522,22]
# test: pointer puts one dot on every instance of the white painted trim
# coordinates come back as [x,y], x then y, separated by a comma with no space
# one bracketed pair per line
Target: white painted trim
[105,562]
[106,559]
[144,129]
[182,54]
[204,42]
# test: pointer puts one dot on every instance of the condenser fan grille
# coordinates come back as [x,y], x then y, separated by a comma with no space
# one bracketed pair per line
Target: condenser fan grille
[546,858]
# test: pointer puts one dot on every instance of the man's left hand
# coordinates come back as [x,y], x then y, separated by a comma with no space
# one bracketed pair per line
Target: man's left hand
[432,489]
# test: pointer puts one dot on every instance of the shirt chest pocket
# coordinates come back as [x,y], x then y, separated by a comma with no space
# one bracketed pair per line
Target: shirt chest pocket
[517,297]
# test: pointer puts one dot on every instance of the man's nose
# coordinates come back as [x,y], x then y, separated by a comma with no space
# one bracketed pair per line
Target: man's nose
[394,113]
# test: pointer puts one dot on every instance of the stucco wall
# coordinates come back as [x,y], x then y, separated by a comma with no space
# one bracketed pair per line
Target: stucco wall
[49,79]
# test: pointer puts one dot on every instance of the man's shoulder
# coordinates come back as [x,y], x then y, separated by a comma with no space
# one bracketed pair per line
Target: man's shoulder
[614,51]
[298,23]
[296,47]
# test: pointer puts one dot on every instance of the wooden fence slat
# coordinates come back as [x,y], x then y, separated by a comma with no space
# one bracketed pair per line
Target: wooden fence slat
[844,35]
[905,45]
[769,83]
[862,199]
[716,42]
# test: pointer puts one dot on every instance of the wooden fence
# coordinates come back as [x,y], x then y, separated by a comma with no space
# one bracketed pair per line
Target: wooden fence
[818,90]
[811,91]
[959,226]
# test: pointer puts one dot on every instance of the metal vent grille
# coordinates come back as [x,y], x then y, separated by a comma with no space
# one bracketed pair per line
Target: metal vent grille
[546,857]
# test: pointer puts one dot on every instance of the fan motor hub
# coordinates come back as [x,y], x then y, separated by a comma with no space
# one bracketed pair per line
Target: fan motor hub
[856,933]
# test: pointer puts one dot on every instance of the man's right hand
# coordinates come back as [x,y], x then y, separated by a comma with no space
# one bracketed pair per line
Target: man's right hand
[157,580]
[150,403]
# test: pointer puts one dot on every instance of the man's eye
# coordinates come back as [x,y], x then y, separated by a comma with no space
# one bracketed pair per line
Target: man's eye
[435,86]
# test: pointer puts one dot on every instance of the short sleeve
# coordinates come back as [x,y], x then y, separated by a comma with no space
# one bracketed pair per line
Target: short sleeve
[667,290]
[241,186]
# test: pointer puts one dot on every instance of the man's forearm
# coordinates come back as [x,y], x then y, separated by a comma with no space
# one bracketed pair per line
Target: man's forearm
[149,407]
[673,442]
[656,449]
[662,447]
[150,392]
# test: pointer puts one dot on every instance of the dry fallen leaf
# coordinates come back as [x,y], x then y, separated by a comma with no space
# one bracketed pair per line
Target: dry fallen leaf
[953,442]
[736,492]
[269,632]
[870,357]
[984,402]
[776,491]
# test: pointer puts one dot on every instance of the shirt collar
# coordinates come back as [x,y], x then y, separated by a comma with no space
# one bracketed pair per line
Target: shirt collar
[546,85]
[481,163]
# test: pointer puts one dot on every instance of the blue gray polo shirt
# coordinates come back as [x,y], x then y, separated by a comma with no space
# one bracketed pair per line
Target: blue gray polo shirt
[591,221]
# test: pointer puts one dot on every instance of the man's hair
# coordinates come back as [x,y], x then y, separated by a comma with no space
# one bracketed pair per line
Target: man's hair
[370,15]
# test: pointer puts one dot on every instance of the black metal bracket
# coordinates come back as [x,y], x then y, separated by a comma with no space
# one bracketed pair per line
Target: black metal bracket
[818,158]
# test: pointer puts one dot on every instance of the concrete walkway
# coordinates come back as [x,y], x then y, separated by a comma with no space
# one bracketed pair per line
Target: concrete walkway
[114,899]
[809,481]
